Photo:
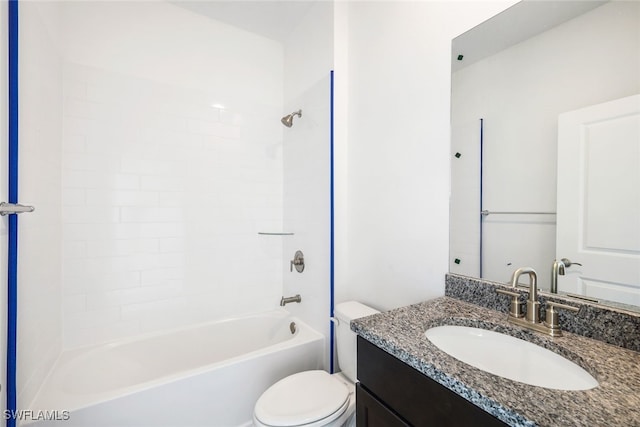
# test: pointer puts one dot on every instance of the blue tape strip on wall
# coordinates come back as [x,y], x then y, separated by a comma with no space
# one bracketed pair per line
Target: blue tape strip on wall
[11,404]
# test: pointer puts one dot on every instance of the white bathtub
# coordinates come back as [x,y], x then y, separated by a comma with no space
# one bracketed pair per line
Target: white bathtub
[207,375]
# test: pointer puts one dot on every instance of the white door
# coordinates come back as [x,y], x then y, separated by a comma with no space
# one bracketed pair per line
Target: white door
[599,200]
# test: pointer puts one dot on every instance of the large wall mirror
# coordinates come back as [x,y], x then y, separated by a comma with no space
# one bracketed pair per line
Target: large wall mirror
[546,148]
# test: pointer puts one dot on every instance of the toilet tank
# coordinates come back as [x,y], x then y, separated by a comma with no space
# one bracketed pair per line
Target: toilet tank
[345,338]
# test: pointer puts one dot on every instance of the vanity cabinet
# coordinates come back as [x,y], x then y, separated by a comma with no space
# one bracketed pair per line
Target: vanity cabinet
[391,393]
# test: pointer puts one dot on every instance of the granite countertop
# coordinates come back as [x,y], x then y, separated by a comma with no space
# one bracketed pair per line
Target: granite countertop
[616,401]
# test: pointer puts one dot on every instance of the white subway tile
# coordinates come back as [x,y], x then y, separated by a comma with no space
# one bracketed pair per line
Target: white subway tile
[99,179]
[90,214]
[73,267]
[74,107]
[161,183]
[154,309]
[125,182]
[93,318]
[82,179]
[130,230]
[109,142]
[105,93]
[73,88]
[72,285]
[73,196]
[161,276]
[105,197]
[172,245]
[99,267]
[122,297]
[74,248]
[74,142]
[99,280]
[169,121]
[77,231]
[161,229]
[142,261]
[167,199]
[89,162]
[150,167]
[155,214]
[80,125]
[212,128]
[74,303]
[119,247]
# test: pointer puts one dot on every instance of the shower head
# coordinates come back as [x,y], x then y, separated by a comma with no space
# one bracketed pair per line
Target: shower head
[288,119]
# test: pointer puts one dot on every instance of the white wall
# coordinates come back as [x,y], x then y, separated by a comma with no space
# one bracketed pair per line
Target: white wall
[396,178]
[172,164]
[39,257]
[520,92]
[306,153]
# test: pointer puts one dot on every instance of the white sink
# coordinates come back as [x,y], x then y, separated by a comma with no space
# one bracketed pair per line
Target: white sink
[510,357]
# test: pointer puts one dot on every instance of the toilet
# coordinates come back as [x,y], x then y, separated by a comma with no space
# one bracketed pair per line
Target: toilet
[316,398]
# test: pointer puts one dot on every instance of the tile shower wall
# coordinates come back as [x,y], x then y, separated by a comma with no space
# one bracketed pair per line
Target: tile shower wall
[169,172]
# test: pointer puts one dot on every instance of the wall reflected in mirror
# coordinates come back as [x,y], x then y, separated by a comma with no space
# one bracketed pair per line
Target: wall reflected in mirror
[512,77]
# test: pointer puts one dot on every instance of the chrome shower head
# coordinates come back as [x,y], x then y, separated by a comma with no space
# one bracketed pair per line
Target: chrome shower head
[288,119]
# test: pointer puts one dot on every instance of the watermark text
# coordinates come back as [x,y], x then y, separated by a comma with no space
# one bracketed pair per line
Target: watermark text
[31,415]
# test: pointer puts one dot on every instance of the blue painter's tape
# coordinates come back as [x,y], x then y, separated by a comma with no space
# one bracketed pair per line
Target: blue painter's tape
[481,191]
[332,236]
[13,219]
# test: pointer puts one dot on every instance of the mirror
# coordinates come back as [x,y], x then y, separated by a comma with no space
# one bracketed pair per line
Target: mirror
[512,77]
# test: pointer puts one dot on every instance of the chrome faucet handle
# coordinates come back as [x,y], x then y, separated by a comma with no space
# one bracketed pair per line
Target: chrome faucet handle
[551,319]
[297,262]
[516,309]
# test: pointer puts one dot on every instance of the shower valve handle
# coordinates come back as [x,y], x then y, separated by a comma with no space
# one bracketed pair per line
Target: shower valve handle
[297,262]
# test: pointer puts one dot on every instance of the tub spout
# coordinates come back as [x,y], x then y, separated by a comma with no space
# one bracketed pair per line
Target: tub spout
[287,300]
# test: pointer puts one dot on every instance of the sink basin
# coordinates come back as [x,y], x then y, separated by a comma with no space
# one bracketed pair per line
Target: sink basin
[510,357]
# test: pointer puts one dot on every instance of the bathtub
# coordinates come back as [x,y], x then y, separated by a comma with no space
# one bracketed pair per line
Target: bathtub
[206,375]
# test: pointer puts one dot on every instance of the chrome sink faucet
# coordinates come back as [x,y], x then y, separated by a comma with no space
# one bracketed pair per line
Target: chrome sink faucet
[532,319]
[533,306]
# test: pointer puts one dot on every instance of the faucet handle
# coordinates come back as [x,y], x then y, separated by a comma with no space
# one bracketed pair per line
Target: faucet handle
[551,319]
[552,305]
[297,262]
[516,307]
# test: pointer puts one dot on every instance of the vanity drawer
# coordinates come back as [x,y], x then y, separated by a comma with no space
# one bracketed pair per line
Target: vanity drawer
[416,398]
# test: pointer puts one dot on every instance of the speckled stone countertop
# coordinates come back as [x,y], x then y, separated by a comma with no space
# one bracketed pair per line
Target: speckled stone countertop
[615,402]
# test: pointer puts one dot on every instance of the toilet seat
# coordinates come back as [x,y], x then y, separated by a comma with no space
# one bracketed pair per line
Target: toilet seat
[309,399]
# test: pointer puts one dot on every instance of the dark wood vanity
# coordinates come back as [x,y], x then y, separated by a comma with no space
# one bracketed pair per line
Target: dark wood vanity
[391,393]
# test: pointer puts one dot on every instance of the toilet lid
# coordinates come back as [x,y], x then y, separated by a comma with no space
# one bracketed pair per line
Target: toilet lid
[301,399]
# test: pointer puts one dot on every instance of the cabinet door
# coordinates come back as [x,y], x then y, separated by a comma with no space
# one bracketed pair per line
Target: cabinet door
[370,412]
[418,399]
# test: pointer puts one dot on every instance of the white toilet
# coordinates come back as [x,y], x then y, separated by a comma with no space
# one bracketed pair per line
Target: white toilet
[316,398]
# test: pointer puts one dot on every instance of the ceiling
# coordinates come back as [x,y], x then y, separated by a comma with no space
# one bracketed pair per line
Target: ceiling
[518,23]
[272,19]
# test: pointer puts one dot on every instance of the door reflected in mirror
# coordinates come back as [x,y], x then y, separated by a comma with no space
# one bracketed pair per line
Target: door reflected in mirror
[514,81]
